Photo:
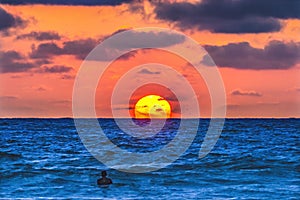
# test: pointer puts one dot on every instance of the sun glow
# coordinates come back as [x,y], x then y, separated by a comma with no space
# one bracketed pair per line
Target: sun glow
[152,106]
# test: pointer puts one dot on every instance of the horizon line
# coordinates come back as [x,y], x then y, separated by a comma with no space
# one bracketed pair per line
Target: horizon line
[148,118]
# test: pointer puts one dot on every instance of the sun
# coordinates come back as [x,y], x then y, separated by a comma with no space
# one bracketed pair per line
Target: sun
[152,106]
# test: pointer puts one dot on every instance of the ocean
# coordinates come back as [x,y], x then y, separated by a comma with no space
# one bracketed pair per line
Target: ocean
[253,159]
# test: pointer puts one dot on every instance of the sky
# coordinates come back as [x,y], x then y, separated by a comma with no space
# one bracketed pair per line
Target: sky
[255,45]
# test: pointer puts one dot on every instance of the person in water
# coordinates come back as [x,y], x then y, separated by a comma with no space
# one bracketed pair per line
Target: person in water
[104,180]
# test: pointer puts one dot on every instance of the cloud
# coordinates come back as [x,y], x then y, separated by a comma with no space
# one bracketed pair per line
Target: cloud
[16,76]
[138,39]
[245,93]
[66,2]
[46,50]
[54,69]
[128,40]
[12,61]
[40,36]
[147,71]
[62,102]
[67,77]
[124,108]
[77,48]
[119,31]
[8,98]
[228,16]
[40,62]
[169,98]
[41,89]
[131,40]
[275,55]
[9,21]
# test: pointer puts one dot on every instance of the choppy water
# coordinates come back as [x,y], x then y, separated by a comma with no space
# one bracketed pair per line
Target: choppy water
[253,159]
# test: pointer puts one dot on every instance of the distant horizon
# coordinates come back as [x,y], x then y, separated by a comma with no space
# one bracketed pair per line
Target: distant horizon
[148,118]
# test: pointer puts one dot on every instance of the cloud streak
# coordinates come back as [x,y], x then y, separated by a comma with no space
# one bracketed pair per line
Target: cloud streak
[56,69]
[39,36]
[8,98]
[147,71]
[245,93]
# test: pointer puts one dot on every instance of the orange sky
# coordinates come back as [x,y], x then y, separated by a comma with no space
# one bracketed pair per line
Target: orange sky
[261,93]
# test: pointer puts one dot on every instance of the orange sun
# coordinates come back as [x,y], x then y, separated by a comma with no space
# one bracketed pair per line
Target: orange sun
[152,106]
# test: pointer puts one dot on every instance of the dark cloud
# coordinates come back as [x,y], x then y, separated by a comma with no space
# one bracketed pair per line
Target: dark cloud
[40,36]
[54,69]
[275,55]
[139,39]
[77,48]
[169,98]
[65,2]
[7,20]
[120,30]
[131,40]
[128,55]
[46,50]
[248,25]
[40,62]
[147,71]
[228,16]
[10,55]
[12,61]
[245,93]
[128,40]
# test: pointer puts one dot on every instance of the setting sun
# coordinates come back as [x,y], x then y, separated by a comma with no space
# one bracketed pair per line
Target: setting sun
[152,106]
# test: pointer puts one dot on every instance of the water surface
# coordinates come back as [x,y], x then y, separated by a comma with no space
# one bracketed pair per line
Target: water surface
[253,159]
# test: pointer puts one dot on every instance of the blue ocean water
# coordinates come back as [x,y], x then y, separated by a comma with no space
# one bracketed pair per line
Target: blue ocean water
[253,159]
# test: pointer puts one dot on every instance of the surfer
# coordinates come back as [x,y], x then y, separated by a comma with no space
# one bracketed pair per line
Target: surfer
[104,180]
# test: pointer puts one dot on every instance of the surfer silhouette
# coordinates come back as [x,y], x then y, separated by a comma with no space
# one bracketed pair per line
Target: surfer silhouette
[104,180]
